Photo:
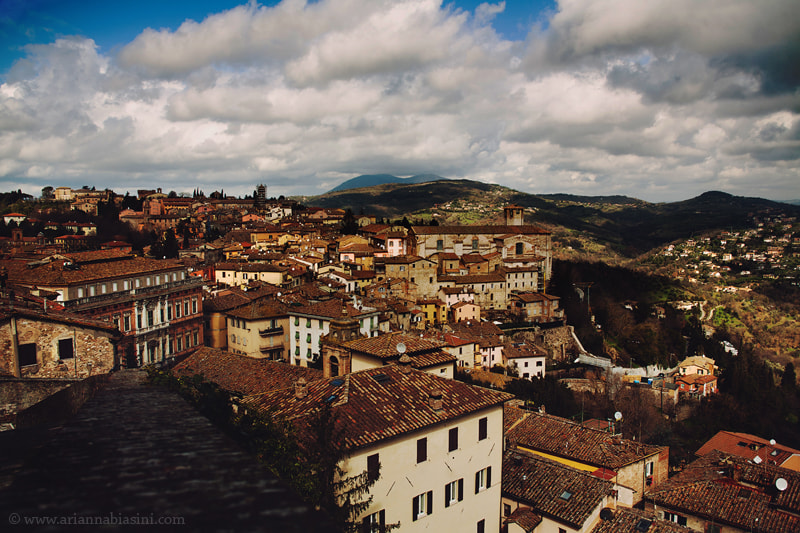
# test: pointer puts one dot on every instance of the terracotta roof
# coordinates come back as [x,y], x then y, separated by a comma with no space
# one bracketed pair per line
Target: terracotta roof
[633,520]
[734,491]
[564,438]
[529,297]
[401,259]
[250,267]
[385,346]
[697,379]
[329,309]
[381,403]
[747,446]
[54,273]
[517,351]
[7,311]
[553,490]
[525,518]
[256,311]
[242,374]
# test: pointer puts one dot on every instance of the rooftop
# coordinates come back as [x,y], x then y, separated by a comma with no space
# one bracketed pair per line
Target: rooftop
[382,403]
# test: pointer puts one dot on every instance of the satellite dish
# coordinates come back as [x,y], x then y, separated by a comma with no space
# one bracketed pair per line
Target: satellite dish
[401,347]
[606,514]
[757,460]
[617,416]
[772,442]
[781,484]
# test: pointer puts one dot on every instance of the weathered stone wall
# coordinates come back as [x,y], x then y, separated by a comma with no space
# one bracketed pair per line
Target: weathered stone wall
[558,342]
[60,406]
[17,394]
[93,351]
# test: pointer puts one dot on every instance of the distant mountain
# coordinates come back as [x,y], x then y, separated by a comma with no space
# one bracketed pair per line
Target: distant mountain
[628,226]
[370,180]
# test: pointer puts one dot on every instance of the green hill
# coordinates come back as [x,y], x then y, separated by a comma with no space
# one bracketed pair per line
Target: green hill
[627,226]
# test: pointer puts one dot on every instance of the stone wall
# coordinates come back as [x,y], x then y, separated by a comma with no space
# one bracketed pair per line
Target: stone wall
[18,394]
[60,406]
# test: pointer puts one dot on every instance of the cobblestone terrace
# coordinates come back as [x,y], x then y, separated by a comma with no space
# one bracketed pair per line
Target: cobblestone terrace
[139,451]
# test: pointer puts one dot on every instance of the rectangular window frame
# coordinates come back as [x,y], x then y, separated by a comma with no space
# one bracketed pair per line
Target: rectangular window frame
[422,450]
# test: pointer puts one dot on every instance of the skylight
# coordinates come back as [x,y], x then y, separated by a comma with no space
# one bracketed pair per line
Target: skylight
[381,378]
[566,495]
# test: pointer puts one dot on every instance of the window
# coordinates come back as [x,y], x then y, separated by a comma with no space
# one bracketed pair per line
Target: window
[65,349]
[713,528]
[161,314]
[483,479]
[422,505]
[672,517]
[127,321]
[297,321]
[483,426]
[452,440]
[150,320]
[186,307]
[373,467]
[520,248]
[506,509]
[194,305]
[440,245]
[177,309]
[308,337]
[169,312]
[422,450]
[179,342]
[453,492]
[27,354]
[138,321]
[562,530]
[481,526]
[196,336]
[80,292]
[308,322]
[374,523]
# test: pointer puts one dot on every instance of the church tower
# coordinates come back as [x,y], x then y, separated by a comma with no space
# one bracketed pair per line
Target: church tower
[513,215]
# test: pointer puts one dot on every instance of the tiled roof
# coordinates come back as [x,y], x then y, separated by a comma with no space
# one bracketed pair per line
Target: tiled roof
[552,489]
[525,518]
[381,403]
[478,230]
[564,438]
[516,351]
[242,374]
[529,297]
[734,491]
[329,309]
[54,273]
[256,311]
[697,379]
[635,521]
[747,446]
[385,346]
[6,312]
[400,259]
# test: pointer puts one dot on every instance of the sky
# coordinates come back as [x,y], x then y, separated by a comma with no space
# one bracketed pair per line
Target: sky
[660,100]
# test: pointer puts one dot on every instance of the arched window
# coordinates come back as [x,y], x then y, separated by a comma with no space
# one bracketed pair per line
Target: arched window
[334,366]
[520,248]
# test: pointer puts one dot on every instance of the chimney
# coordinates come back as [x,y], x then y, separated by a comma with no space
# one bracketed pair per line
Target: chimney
[301,388]
[435,399]
[405,364]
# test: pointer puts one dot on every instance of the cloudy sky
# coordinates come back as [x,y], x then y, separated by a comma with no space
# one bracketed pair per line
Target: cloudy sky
[660,100]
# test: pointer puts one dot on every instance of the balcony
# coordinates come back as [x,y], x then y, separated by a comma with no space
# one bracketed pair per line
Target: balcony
[269,332]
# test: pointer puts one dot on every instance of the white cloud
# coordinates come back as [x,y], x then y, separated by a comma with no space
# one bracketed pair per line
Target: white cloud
[658,100]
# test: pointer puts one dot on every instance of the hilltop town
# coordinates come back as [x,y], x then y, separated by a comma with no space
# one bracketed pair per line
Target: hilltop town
[431,364]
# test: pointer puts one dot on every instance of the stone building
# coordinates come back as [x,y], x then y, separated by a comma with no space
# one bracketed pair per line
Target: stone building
[54,344]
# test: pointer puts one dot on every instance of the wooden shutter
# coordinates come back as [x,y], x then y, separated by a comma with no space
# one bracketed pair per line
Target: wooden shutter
[430,502]
[447,495]
[461,489]
[488,477]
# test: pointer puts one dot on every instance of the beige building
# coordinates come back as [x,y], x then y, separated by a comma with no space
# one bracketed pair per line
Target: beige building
[240,274]
[435,445]
[259,330]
